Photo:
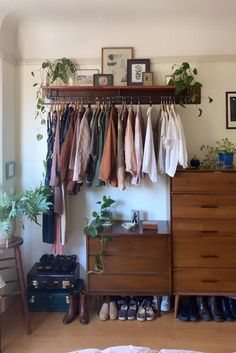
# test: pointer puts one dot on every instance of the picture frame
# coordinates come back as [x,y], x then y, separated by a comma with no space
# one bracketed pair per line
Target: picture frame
[10,169]
[84,77]
[147,78]
[135,69]
[230,110]
[114,61]
[102,80]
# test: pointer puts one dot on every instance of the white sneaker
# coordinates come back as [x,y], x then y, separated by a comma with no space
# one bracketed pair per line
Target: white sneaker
[165,303]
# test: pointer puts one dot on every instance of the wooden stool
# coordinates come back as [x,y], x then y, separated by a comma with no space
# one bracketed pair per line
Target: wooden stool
[15,245]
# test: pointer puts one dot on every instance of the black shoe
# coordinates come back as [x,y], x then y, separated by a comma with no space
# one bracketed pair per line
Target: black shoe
[203,308]
[42,263]
[225,307]
[232,304]
[193,310]
[215,309]
[184,309]
[50,262]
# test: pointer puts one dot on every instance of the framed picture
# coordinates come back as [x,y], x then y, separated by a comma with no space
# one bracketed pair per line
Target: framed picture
[230,110]
[84,77]
[102,80]
[114,61]
[147,78]
[10,169]
[135,69]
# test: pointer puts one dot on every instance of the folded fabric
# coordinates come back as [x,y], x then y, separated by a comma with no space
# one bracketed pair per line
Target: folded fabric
[118,349]
[177,351]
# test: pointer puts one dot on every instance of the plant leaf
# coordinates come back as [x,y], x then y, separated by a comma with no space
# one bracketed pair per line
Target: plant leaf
[32,73]
[39,137]
[210,100]
[200,112]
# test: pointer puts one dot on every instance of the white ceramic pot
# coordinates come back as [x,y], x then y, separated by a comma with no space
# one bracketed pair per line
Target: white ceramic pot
[5,238]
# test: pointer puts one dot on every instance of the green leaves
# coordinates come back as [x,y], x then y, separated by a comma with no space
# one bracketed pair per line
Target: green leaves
[39,137]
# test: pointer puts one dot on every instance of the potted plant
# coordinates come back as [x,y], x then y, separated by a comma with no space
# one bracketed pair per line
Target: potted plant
[51,72]
[15,206]
[184,78]
[221,152]
[95,228]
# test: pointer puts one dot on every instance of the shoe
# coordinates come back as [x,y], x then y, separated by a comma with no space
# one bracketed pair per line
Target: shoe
[83,310]
[184,309]
[141,314]
[104,312]
[215,309]
[123,309]
[232,304]
[68,263]
[50,262]
[132,309]
[73,309]
[42,262]
[203,310]
[150,314]
[113,311]
[225,307]
[165,303]
[59,263]
[193,310]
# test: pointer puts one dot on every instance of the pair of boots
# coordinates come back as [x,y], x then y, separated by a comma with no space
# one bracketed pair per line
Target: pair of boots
[78,306]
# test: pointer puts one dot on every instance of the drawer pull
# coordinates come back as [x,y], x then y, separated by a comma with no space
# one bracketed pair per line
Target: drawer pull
[210,231]
[210,256]
[210,281]
[209,206]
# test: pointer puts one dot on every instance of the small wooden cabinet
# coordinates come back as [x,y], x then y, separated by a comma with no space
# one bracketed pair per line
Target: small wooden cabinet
[203,207]
[136,261]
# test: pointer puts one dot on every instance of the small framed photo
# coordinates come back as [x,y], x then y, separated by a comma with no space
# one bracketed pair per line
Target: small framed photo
[147,78]
[135,69]
[114,61]
[230,110]
[10,169]
[84,77]
[102,80]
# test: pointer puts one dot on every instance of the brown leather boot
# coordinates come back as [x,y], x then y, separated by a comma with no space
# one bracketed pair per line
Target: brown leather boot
[73,309]
[83,310]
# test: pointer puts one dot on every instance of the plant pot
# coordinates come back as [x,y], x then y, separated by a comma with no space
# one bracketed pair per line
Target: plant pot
[5,237]
[226,159]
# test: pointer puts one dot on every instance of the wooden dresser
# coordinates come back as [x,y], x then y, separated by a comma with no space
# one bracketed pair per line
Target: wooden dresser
[203,208]
[136,262]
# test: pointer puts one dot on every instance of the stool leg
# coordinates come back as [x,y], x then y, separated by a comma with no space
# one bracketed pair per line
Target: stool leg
[176,304]
[21,280]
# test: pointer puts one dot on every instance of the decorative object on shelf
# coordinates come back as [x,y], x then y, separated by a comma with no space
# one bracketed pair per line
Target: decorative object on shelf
[168,78]
[10,169]
[194,162]
[128,225]
[221,153]
[114,61]
[84,77]
[14,206]
[230,110]
[135,69]
[135,216]
[102,80]
[94,228]
[184,78]
[51,72]
[147,78]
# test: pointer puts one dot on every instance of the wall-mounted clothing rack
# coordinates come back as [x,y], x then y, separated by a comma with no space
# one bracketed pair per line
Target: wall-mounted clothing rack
[115,94]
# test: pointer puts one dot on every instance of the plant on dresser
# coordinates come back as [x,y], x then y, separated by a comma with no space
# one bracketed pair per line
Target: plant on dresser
[95,228]
[222,152]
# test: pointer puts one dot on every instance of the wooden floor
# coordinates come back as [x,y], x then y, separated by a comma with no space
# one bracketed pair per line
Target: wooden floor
[51,336]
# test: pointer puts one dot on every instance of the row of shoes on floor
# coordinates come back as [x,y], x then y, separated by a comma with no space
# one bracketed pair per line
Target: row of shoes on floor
[132,308]
[194,308]
[58,263]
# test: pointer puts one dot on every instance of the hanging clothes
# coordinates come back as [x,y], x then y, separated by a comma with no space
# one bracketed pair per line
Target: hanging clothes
[108,163]
[120,152]
[163,122]
[93,149]
[172,144]
[182,148]
[101,140]
[149,158]
[130,161]
[138,147]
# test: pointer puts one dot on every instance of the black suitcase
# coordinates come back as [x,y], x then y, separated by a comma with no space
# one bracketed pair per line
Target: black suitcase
[40,300]
[53,280]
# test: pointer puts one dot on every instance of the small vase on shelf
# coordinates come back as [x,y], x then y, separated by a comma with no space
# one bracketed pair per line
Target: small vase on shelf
[194,162]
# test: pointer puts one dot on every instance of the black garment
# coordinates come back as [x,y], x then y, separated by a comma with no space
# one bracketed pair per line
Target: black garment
[94,147]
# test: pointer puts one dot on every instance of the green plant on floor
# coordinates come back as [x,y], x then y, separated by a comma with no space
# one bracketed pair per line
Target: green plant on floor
[95,228]
[184,78]
[49,73]
[222,146]
[15,206]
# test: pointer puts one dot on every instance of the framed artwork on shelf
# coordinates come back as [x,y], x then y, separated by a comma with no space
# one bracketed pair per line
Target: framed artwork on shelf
[147,78]
[114,61]
[230,110]
[135,70]
[102,80]
[84,77]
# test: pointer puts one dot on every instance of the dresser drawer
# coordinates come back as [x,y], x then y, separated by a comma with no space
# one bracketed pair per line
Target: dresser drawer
[120,245]
[204,228]
[132,284]
[204,181]
[203,206]
[205,253]
[205,280]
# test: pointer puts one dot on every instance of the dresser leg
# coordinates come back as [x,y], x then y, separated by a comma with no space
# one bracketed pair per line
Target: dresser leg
[176,304]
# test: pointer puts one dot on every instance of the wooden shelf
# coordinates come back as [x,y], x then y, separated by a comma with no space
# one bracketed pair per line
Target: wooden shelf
[116,94]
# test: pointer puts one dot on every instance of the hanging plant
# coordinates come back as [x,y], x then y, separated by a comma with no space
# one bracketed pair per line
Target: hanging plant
[49,73]
[184,78]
